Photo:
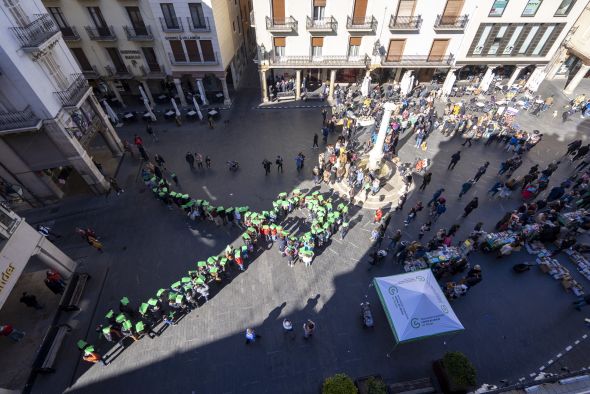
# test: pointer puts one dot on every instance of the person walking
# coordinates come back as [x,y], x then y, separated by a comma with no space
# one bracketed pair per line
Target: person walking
[288,329]
[397,236]
[210,121]
[465,188]
[473,204]
[480,171]
[435,196]
[159,160]
[190,159]
[199,160]
[315,141]
[151,132]
[6,330]
[583,151]
[31,301]
[95,243]
[324,114]
[266,165]
[454,160]
[115,186]
[251,336]
[572,147]
[308,329]
[279,163]
[425,181]
[207,161]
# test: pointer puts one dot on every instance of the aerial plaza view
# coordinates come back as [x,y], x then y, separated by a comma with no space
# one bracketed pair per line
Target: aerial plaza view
[319,196]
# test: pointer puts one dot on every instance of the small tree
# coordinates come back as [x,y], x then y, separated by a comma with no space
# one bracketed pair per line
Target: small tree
[460,371]
[376,386]
[339,384]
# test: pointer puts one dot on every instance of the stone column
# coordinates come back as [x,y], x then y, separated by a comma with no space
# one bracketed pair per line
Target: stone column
[234,75]
[116,93]
[297,84]
[264,87]
[332,82]
[202,91]
[569,89]
[55,259]
[226,99]
[376,153]
[449,80]
[368,73]
[107,131]
[180,92]
[515,74]
[148,92]
[398,74]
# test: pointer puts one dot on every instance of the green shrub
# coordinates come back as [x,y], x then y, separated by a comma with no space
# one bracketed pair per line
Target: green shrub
[376,386]
[459,369]
[339,384]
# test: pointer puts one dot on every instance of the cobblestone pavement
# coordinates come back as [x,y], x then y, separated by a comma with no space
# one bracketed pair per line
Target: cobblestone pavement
[513,323]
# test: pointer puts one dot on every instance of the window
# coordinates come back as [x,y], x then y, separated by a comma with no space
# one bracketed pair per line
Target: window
[177,50]
[207,50]
[136,20]
[17,12]
[192,51]
[316,46]
[496,43]
[354,46]
[151,59]
[197,16]
[565,7]
[117,60]
[530,9]
[510,46]
[498,7]
[279,45]
[82,59]
[97,18]
[406,8]
[482,39]
[58,17]
[233,26]
[395,50]
[319,8]
[543,40]
[55,71]
[528,39]
[169,15]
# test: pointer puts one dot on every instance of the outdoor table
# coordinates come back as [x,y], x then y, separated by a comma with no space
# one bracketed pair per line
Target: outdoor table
[219,95]
[480,104]
[191,113]
[146,115]
[129,115]
[169,114]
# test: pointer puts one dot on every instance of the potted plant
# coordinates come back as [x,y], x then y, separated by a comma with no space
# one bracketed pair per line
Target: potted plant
[373,384]
[455,373]
[339,384]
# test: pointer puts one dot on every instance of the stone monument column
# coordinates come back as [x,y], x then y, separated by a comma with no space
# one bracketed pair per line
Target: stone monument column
[376,153]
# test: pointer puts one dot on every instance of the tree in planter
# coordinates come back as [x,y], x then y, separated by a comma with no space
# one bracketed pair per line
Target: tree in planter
[460,371]
[376,386]
[339,384]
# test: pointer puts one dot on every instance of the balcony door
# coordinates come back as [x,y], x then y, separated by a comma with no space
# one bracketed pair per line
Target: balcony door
[452,11]
[197,16]
[438,50]
[360,12]
[151,59]
[99,22]
[136,21]
[207,50]
[395,50]
[319,9]
[406,8]
[82,59]
[117,60]
[169,15]
[278,12]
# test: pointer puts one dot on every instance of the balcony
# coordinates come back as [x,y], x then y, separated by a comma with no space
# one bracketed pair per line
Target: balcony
[172,26]
[69,33]
[106,33]
[322,25]
[198,26]
[405,23]
[35,35]
[418,61]
[121,72]
[75,93]
[154,71]
[320,61]
[449,24]
[287,25]
[14,120]
[91,73]
[368,24]
[139,33]
[188,62]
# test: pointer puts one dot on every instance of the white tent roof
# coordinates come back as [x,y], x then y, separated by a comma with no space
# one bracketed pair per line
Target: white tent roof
[416,306]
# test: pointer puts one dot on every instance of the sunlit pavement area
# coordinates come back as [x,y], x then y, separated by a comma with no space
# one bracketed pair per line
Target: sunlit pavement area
[514,324]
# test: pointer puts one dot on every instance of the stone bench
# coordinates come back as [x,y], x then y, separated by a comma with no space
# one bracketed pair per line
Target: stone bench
[72,295]
[47,355]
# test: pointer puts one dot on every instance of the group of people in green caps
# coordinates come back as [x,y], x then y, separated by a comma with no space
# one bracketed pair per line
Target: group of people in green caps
[170,304]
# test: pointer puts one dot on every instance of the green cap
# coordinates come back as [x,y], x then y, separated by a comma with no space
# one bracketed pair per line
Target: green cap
[81,344]
[201,264]
[175,285]
[238,254]
[200,280]
[89,349]
[160,292]
[185,279]
[106,330]
[223,261]
[120,318]
[244,248]
[211,260]
[139,326]
[245,236]
[143,308]
[179,298]
[219,209]
[110,314]
[125,301]
[152,302]
[213,270]
[296,191]
[127,325]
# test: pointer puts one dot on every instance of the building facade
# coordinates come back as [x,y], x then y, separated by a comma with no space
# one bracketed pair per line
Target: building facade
[327,41]
[51,124]
[572,60]
[170,49]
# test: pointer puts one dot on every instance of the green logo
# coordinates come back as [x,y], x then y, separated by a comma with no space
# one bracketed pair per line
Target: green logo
[415,323]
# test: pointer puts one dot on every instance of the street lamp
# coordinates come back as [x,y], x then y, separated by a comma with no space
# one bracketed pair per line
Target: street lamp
[262,51]
[377,48]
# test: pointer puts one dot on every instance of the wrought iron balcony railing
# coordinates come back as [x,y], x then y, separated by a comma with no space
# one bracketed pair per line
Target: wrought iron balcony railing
[69,33]
[198,26]
[188,62]
[286,25]
[120,72]
[105,33]
[405,22]
[152,70]
[36,33]
[18,119]
[173,25]
[417,60]
[451,22]
[139,33]
[91,73]
[328,24]
[361,24]
[351,61]
[72,96]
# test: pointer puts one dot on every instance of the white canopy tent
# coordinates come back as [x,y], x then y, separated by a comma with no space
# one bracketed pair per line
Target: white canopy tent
[416,306]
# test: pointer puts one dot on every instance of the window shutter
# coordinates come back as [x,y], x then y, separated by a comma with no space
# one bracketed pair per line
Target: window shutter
[355,41]
[438,50]
[192,50]
[406,8]
[278,11]
[207,50]
[453,8]
[177,50]
[279,41]
[395,50]
[317,41]
[360,10]
[319,3]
